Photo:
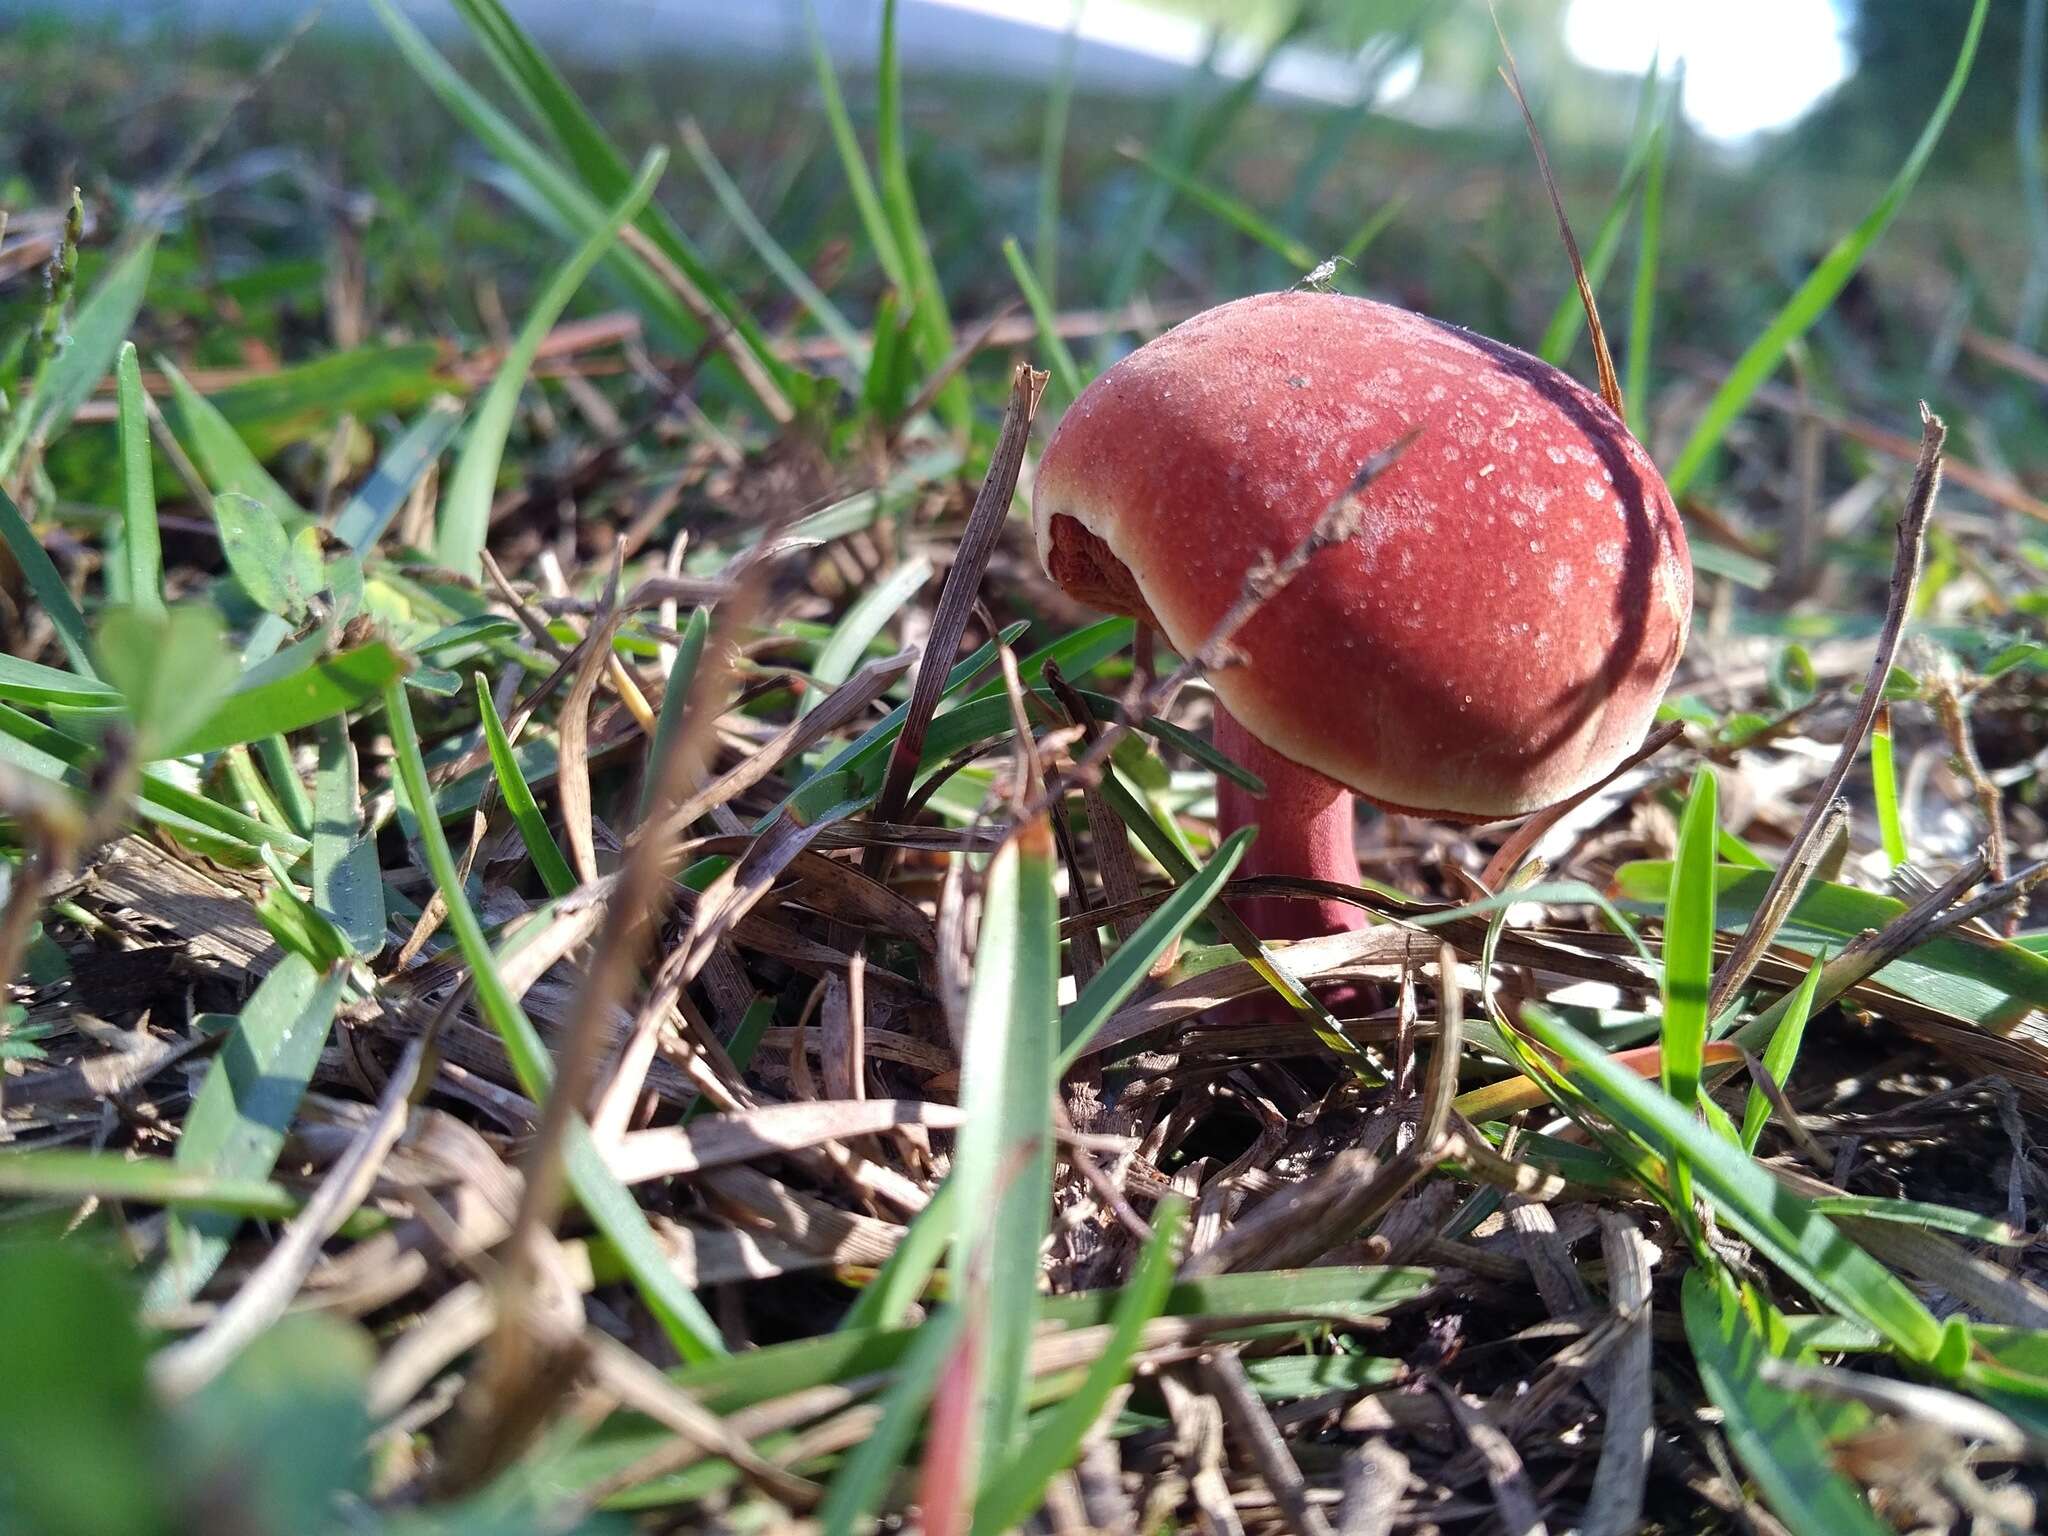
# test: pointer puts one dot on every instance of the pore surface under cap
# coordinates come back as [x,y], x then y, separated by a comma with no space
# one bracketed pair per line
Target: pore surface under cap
[1500,630]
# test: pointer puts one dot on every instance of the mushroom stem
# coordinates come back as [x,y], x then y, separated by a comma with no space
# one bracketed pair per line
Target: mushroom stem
[1305,828]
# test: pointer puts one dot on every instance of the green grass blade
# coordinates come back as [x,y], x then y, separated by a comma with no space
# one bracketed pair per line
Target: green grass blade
[675,698]
[140,546]
[1689,943]
[339,683]
[862,1481]
[1333,1294]
[558,199]
[1127,969]
[983,716]
[865,618]
[1201,120]
[1772,1432]
[1643,297]
[603,167]
[30,682]
[1015,1488]
[1555,892]
[1003,1160]
[1884,786]
[34,747]
[47,586]
[867,751]
[65,1173]
[886,1299]
[275,755]
[1238,215]
[1052,154]
[778,261]
[1779,1057]
[1824,284]
[886,388]
[1569,318]
[254,793]
[1337,1291]
[466,510]
[928,315]
[1985,980]
[296,923]
[1066,372]
[1783,1226]
[1157,834]
[602,1197]
[554,870]
[237,1123]
[66,381]
[222,456]
[866,200]
[347,884]
[361,523]
[273,410]
[1920,1213]
[1375,225]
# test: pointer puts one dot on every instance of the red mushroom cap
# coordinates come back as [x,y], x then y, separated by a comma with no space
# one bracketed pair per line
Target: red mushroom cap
[1497,635]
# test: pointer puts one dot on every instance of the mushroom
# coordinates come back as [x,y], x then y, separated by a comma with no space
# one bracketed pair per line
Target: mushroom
[1495,635]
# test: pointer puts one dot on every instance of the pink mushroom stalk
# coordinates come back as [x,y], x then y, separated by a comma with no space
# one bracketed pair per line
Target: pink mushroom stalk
[1496,635]
[1307,826]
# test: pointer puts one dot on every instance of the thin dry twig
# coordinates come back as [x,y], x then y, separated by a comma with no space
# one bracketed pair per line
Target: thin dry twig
[1874,951]
[1223,1373]
[1954,715]
[1603,359]
[715,1141]
[1794,873]
[1109,839]
[1797,864]
[644,1389]
[1299,1225]
[572,773]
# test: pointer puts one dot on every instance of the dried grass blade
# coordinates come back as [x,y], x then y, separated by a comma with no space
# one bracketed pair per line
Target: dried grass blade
[712,1140]
[572,763]
[1615,1506]
[845,702]
[1513,1497]
[963,586]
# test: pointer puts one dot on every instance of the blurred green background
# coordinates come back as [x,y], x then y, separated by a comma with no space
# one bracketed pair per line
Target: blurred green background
[1374,123]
